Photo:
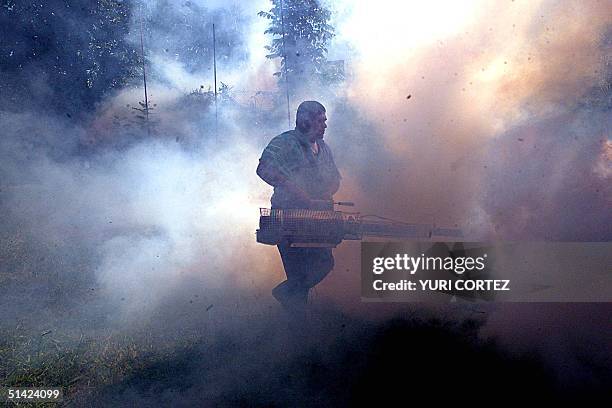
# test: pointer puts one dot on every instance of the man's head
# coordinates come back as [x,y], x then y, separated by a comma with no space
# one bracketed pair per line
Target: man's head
[310,119]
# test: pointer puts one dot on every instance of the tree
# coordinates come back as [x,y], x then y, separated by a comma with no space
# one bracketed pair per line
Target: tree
[64,55]
[182,31]
[300,33]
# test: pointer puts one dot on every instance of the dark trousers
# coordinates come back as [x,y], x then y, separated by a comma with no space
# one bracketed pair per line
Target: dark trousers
[304,267]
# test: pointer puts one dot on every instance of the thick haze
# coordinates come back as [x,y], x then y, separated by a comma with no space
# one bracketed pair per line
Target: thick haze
[491,116]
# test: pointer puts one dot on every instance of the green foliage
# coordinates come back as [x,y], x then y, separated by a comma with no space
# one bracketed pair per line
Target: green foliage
[300,33]
[65,55]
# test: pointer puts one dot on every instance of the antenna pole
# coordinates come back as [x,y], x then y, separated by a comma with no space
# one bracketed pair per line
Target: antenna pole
[215,74]
[286,61]
[144,73]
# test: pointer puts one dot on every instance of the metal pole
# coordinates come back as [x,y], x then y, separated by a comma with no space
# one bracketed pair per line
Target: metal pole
[215,74]
[144,73]
[286,61]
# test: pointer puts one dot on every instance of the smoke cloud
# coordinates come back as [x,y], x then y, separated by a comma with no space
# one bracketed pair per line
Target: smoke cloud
[494,118]
[480,114]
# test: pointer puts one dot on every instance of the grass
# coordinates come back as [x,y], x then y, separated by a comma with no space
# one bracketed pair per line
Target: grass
[80,365]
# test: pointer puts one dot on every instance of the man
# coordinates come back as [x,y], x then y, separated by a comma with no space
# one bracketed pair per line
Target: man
[300,167]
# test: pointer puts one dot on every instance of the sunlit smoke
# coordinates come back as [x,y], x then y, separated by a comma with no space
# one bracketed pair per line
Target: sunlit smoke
[444,82]
[394,29]
[488,116]
[447,113]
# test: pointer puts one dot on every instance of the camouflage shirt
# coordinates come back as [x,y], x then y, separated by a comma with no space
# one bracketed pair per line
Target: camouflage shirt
[291,155]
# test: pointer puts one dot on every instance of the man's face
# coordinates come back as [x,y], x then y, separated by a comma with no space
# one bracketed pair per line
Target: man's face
[318,126]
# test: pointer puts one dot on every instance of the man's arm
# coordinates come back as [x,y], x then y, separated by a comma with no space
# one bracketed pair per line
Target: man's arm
[268,173]
[273,176]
